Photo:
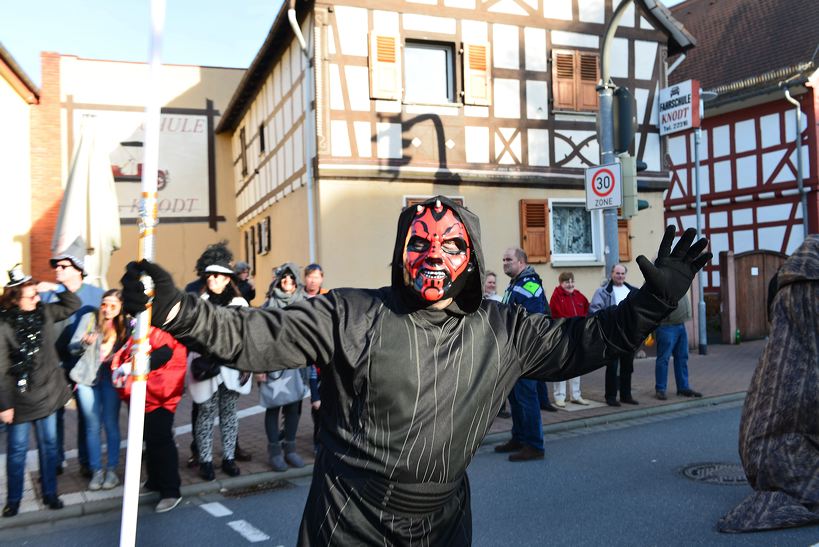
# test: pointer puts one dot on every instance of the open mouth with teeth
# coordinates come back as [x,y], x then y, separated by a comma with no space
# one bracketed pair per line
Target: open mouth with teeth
[433,274]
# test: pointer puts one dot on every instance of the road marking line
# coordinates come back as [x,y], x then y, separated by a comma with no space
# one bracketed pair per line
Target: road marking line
[248,531]
[216,509]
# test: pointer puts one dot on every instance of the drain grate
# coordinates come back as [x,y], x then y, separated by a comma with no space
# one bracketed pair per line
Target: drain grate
[716,473]
[261,488]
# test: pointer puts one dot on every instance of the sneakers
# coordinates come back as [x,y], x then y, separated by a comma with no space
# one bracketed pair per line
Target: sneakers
[111,480]
[560,403]
[510,446]
[166,504]
[230,468]
[688,393]
[96,480]
[580,401]
[527,453]
[53,502]
[205,473]
[660,395]
[11,509]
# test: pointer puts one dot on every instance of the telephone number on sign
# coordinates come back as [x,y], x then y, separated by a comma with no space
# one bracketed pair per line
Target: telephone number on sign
[676,125]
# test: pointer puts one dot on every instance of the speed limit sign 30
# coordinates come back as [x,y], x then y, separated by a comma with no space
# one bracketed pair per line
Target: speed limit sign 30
[603,187]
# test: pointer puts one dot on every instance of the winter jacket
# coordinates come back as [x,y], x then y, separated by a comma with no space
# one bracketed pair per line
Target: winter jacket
[526,289]
[48,389]
[166,381]
[568,304]
[604,297]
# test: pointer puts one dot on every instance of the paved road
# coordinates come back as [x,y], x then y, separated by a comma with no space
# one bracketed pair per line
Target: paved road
[616,484]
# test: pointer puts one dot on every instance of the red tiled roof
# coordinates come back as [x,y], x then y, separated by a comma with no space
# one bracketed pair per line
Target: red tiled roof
[737,39]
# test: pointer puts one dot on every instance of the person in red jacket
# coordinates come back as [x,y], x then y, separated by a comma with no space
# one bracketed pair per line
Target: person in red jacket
[567,301]
[166,381]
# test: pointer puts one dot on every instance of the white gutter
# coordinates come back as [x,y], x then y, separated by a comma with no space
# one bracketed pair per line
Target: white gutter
[308,131]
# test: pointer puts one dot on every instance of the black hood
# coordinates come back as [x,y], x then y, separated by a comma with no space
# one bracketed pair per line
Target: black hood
[470,297]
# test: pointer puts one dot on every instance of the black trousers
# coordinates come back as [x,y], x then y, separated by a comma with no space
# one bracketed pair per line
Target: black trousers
[626,365]
[161,458]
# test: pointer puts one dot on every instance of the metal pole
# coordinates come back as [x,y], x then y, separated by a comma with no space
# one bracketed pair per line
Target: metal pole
[605,92]
[803,197]
[702,331]
[148,214]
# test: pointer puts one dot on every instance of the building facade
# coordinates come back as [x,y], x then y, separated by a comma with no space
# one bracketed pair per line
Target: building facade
[18,95]
[196,205]
[491,103]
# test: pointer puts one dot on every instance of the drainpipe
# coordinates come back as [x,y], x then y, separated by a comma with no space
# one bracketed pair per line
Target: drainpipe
[802,195]
[308,131]
[675,64]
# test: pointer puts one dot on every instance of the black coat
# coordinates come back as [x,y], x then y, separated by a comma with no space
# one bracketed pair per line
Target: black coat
[49,390]
[408,393]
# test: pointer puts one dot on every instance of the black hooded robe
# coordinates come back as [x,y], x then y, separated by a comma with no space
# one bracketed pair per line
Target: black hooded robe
[408,393]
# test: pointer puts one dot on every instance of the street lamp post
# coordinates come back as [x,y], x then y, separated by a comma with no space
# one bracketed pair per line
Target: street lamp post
[703,332]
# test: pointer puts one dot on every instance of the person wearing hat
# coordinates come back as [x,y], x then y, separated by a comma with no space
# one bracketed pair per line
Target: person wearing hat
[213,387]
[69,271]
[32,387]
[245,283]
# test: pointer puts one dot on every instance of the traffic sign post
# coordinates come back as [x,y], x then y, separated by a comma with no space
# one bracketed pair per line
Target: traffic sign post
[604,187]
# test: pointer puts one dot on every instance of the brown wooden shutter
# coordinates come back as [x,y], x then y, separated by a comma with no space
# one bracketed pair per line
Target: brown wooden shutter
[534,229]
[624,240]
[564,81]
[589,77]
[385,67]
[477,76]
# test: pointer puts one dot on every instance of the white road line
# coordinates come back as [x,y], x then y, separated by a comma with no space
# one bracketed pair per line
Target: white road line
[216,509]
[248,531]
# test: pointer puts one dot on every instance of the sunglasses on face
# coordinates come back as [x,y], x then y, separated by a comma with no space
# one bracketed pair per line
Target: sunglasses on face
[63,266]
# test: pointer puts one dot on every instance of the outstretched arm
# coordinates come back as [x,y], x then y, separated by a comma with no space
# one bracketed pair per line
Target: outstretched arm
[248,339]
[563,349]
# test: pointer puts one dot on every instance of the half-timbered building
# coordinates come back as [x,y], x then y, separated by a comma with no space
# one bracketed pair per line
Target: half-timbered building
[490,102]
[748,153]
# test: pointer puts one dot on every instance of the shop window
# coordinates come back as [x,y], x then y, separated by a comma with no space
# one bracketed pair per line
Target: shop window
[575,75]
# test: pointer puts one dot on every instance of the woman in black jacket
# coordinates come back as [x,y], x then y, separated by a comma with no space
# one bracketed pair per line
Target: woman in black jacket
[32,384]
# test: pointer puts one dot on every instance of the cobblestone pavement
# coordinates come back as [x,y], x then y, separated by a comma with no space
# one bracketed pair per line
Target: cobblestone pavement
[725,370]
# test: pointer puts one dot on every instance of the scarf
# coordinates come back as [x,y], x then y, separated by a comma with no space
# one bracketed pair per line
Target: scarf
[28,329]
[222,299]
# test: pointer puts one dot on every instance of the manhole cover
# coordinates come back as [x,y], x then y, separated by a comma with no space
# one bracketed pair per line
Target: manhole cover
[260,488]
[716,473]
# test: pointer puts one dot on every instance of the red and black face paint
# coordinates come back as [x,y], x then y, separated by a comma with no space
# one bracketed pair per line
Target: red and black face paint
[437,253]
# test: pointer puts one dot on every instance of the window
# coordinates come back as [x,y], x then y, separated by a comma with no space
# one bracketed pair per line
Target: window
[243,151]
[264,236]
[429,72]
[575,75]
[576,234]
[262,147]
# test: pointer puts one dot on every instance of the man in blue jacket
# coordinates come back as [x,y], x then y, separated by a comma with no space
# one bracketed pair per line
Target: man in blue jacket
[525,289]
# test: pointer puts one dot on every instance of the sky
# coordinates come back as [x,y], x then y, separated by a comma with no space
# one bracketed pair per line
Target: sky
[197,32]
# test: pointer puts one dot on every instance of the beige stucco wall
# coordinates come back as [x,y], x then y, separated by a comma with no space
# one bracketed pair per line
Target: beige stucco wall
[358,220]
[15,177]
[125,85]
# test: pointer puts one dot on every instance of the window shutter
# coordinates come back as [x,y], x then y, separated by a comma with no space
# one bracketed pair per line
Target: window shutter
[477,77]
[564,80]
[534,229]
[385,67]
[624,240]
[589,77]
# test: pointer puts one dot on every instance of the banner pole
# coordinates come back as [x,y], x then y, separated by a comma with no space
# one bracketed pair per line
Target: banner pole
[147,223]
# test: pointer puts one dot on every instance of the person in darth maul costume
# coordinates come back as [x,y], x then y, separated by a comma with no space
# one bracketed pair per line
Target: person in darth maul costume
[413,374]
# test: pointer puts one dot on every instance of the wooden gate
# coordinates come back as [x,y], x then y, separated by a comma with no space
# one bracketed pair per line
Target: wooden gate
[754,270]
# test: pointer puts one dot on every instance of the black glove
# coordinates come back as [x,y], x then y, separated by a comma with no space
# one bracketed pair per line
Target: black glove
[134,299]
[671,274]
[160,356]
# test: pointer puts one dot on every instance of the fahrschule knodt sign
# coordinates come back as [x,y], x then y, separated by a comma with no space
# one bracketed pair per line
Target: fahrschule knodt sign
[679,107]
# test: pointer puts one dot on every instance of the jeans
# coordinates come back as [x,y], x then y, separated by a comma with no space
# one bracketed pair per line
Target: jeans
[671,340]
[46,431]
[99,405]
[82,452]
[527,426]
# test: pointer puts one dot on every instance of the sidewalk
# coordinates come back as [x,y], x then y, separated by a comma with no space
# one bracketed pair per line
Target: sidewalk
[724,371]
